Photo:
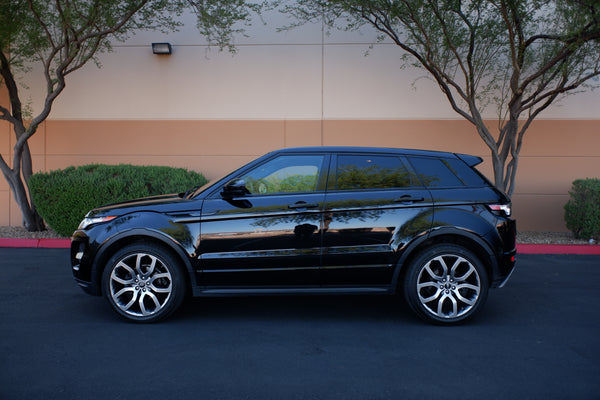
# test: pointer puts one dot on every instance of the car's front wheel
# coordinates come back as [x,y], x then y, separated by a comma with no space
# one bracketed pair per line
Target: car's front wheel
[446,284]
[143,283]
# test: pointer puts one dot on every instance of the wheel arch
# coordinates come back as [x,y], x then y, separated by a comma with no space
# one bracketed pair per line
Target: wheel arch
[145,236]
[456,236]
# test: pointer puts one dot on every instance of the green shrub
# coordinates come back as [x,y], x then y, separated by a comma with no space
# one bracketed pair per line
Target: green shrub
[582,211]
[63,197]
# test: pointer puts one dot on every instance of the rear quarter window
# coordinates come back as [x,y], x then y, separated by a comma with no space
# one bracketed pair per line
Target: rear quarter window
[465,173]
[435,172]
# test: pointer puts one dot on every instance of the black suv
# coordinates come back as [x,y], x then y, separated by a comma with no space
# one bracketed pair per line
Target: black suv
[335,220]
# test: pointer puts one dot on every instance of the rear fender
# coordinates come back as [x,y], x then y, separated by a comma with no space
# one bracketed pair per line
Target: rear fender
[454,235]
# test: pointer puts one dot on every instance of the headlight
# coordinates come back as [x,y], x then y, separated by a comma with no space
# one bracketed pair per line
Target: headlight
[87,221]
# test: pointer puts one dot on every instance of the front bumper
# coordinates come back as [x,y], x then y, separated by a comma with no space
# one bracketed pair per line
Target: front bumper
[81,264]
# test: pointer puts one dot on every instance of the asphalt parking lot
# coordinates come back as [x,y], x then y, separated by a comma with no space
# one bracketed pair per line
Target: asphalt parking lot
[537,338]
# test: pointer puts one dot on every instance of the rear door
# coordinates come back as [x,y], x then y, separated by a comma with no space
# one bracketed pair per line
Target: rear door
[373,207]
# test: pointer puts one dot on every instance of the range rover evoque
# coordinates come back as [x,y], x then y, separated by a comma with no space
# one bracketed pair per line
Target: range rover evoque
[335,220]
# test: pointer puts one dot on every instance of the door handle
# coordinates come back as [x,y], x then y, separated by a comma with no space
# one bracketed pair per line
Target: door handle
[303,204]
[408,199]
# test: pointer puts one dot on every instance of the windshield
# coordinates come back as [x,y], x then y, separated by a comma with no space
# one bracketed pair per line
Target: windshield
[197,190]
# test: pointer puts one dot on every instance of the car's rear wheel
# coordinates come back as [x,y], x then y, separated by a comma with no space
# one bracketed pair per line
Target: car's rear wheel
[446,284]
[143,283]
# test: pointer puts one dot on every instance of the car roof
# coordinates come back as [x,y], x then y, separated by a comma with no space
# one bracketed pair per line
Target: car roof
[357,149]
[469,159]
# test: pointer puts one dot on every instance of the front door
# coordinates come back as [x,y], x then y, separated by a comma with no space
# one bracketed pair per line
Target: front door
[271,236]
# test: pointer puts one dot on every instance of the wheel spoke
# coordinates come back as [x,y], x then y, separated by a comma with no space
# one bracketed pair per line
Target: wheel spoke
[120,280]
[142,303]
[129,272]
[426,285]
[432,297]
[456,264]
[121,264]
[432,273]
[468,286]
[123,291]
[131,301]
[440,310]
[443,264]
[464,299]
[156,289]
[138,264]
[466,275]
[158,276]
[150,270]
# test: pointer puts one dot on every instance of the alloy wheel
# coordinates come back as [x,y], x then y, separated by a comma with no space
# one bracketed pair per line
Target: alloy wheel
[140,285]
[448,286]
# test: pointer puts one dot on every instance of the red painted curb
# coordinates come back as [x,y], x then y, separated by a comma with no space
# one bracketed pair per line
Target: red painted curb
[35,243]
[55,243]
[558,249]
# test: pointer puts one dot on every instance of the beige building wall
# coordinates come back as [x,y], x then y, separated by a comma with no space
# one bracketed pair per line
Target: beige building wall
[211,111]
[550,160]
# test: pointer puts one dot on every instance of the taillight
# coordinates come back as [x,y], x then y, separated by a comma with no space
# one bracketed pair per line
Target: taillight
[502,210]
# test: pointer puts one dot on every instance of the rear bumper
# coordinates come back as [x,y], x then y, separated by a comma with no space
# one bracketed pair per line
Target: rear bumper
[507,251]
[506,268]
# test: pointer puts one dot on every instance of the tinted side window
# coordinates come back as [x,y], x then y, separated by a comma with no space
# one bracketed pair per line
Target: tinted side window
[465,173]
[435,172]
[285,174]
[370,172]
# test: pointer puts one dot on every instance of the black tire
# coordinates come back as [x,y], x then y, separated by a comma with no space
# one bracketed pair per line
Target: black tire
[446,284]
[143,283]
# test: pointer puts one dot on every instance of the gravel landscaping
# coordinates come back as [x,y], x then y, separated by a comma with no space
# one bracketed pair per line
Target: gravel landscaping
[13,232]
[549,238]
[17,232]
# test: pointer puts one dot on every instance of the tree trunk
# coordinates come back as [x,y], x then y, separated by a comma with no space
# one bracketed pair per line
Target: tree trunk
[32,221]
[498,166]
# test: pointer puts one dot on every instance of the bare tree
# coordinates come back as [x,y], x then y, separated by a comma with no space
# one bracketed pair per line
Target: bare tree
[62,36]
[517,56]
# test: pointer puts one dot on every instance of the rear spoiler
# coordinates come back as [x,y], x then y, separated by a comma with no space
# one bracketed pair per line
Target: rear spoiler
[470,160]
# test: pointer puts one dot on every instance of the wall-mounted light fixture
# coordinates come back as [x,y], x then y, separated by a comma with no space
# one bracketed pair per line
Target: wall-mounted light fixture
[161,48]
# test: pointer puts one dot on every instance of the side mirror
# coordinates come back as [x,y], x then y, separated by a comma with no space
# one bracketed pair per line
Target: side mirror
[235,188]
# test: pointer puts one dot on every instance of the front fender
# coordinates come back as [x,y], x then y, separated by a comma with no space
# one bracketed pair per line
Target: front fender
[176,235]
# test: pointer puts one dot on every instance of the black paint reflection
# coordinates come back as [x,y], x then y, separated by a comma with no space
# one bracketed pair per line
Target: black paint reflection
[259,237]
[342,241]
[362,236]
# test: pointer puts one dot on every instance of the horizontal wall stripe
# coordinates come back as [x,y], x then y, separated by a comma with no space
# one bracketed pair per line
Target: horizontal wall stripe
[550,159]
